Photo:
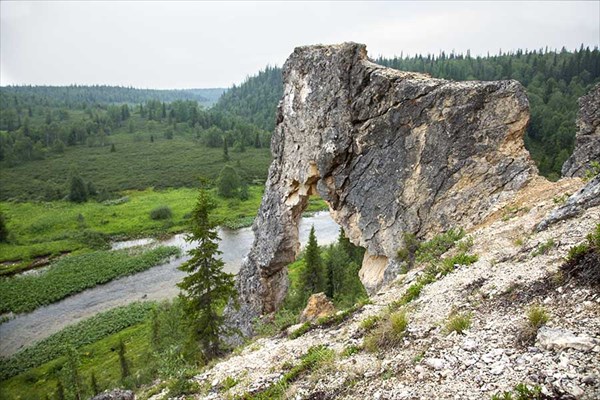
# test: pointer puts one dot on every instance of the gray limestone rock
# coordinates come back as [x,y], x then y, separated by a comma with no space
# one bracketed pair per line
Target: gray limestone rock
[390,152]
[586,197]
[115,394]
[587,140]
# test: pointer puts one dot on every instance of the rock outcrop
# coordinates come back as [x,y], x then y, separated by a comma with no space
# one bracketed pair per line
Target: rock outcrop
[318,306]
[391,152]
[586,197]
[587,140]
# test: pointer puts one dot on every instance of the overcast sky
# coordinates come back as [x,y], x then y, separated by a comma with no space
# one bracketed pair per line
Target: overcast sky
[216,44]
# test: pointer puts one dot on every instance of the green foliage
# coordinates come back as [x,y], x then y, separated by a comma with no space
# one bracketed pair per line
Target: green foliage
[592,171]
[458,322]
[433,249]
[228,184]
[543,248]
[537,316]
[206,288]
[313,278]
[342,262]
[521,392]
[314,358]
[78,192]
[430,252]
[71,376]
[301,330]
[42,229]
[256,99]
[78,335]
[3,228]
[408,252]
[73,274]
[161,212]
[389,333]
[350,350]
[123,361]
[370,322]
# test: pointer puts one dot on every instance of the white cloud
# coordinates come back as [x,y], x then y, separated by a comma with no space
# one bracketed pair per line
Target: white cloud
[204,44]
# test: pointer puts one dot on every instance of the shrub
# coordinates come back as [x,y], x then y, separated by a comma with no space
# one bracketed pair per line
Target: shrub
[459,323]
[433,249]
[78,192]
[160,213]
[536,317]
[522,392]
[543,248]
[369,323]
[389,333]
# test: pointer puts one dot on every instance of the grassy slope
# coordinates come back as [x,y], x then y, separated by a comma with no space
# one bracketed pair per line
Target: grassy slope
[179,162]
[42,228]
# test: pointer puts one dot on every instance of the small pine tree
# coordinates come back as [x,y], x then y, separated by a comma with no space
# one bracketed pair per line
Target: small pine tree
[60,390]
[71,373]
[257,143]
[206,289]
[244,195]
[225,149]
[228,183]
[3,229]
[78,192]
[112,148]
[94,384]
[123,361]
[313,277]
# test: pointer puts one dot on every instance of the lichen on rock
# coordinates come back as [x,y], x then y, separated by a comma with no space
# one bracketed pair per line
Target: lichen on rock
[391,152]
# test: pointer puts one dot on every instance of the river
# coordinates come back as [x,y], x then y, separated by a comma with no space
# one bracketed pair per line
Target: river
[157,283]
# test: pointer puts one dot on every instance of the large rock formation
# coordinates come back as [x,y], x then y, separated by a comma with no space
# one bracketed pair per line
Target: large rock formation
[587,140]
[391,152]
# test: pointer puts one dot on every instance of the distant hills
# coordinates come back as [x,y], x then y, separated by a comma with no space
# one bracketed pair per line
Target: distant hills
[75,95]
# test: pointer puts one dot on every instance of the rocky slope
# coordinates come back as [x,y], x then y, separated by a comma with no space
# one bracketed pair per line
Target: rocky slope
[391,152]
[517,267]
[587,140]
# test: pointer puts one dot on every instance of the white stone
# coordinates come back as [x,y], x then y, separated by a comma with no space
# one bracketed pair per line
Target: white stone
[556,338]
[435,363]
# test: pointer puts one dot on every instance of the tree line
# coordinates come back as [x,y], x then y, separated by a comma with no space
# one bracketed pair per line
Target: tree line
[29,131]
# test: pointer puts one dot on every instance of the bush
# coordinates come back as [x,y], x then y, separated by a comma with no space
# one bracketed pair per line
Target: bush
[78,191]
[160,213]
[389,333]
[536,318]
[459,323]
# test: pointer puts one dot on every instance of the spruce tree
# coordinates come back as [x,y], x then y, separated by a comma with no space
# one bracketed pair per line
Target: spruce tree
[123,361]
[78,192]
[3,229]
[94,384]
[228,184]
[225,149]
[313,277]
[206,288]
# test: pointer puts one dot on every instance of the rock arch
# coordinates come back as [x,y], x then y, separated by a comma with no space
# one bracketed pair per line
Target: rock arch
[390,152]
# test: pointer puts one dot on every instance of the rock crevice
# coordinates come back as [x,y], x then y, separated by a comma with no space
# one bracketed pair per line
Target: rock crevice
[390,151]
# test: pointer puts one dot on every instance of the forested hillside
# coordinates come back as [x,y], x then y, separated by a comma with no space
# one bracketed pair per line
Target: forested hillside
[45,139]
[256,99]
[554,82]
[77,96]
